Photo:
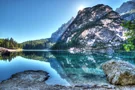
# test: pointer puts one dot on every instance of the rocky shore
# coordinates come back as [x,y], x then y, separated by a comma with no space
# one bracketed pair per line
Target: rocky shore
[7,51]
[4,51]
[35,80]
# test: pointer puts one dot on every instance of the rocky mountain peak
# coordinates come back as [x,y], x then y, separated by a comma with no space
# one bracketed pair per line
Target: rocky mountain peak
[95,8]
[93,27]
[126,7]
[93,13]
[127,10]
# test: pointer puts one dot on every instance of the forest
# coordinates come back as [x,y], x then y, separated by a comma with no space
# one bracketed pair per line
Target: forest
[9,43]
[37,44]
[32,44]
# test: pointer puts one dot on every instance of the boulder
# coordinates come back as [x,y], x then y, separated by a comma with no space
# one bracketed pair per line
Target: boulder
[25,80]
[119,72]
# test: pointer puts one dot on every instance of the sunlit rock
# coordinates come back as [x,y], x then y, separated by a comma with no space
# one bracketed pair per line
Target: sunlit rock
[119,72]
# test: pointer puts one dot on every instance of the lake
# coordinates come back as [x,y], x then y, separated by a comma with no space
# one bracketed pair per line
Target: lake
[64,68]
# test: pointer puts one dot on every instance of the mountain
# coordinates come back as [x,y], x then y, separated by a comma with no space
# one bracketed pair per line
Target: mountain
[93,28]
[48,42]
[127,10]
[56,35]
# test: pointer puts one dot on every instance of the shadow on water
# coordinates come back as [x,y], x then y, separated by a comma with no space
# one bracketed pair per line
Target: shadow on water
[74,68]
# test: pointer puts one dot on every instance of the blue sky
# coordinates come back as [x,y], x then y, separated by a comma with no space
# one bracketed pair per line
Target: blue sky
[36,19]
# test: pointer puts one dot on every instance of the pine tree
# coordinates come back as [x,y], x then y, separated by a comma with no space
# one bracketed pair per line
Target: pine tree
[130,34]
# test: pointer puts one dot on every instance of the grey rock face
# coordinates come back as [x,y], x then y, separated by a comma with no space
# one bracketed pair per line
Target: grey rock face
[119,72]
[127,10]
[56,35]
[96,27]
[126,7]
[129,16]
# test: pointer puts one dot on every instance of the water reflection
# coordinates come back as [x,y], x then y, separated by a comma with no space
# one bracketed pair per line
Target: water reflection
[20,64]
[64,68]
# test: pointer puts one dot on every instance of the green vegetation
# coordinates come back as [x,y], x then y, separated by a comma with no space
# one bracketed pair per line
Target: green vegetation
[37,44]
[10,56]
[33,44]
[130,34]
[9,43]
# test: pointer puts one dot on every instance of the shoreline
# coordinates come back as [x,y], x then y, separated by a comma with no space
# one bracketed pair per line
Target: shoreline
[35,80]
[2,49]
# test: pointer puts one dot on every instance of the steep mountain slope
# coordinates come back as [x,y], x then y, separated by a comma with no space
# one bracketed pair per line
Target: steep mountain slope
[126,7]
[48,42]
[96,27]
[56,35]
[127,10]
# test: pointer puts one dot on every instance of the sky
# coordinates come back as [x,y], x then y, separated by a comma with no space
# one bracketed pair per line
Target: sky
[37,19]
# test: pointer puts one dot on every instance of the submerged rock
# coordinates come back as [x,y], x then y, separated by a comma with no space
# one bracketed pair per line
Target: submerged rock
[23,80]
[119,72]
[35,80]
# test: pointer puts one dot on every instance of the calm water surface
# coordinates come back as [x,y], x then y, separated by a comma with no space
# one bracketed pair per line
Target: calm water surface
[63,67]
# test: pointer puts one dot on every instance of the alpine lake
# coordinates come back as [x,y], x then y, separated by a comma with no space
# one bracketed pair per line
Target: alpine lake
[64,68]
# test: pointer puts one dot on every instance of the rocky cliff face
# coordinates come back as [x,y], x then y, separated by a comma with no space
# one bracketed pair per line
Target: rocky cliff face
[127,10]
[126,7]
[56,35]
[96,27]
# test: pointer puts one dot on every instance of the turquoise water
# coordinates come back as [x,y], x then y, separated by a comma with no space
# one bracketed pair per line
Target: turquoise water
[63,67]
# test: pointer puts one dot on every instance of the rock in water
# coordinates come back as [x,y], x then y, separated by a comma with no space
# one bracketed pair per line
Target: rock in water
[25,80]
[119,72]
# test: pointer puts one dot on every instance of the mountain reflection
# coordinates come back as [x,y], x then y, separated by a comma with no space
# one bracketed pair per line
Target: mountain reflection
[75,68]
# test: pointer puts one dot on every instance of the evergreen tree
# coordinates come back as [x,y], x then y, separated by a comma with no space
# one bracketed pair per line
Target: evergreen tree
[9,43]
[130,34]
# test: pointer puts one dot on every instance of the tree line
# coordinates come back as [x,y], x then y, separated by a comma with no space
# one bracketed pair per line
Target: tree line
[9,43]
[33,44]
[37,44]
